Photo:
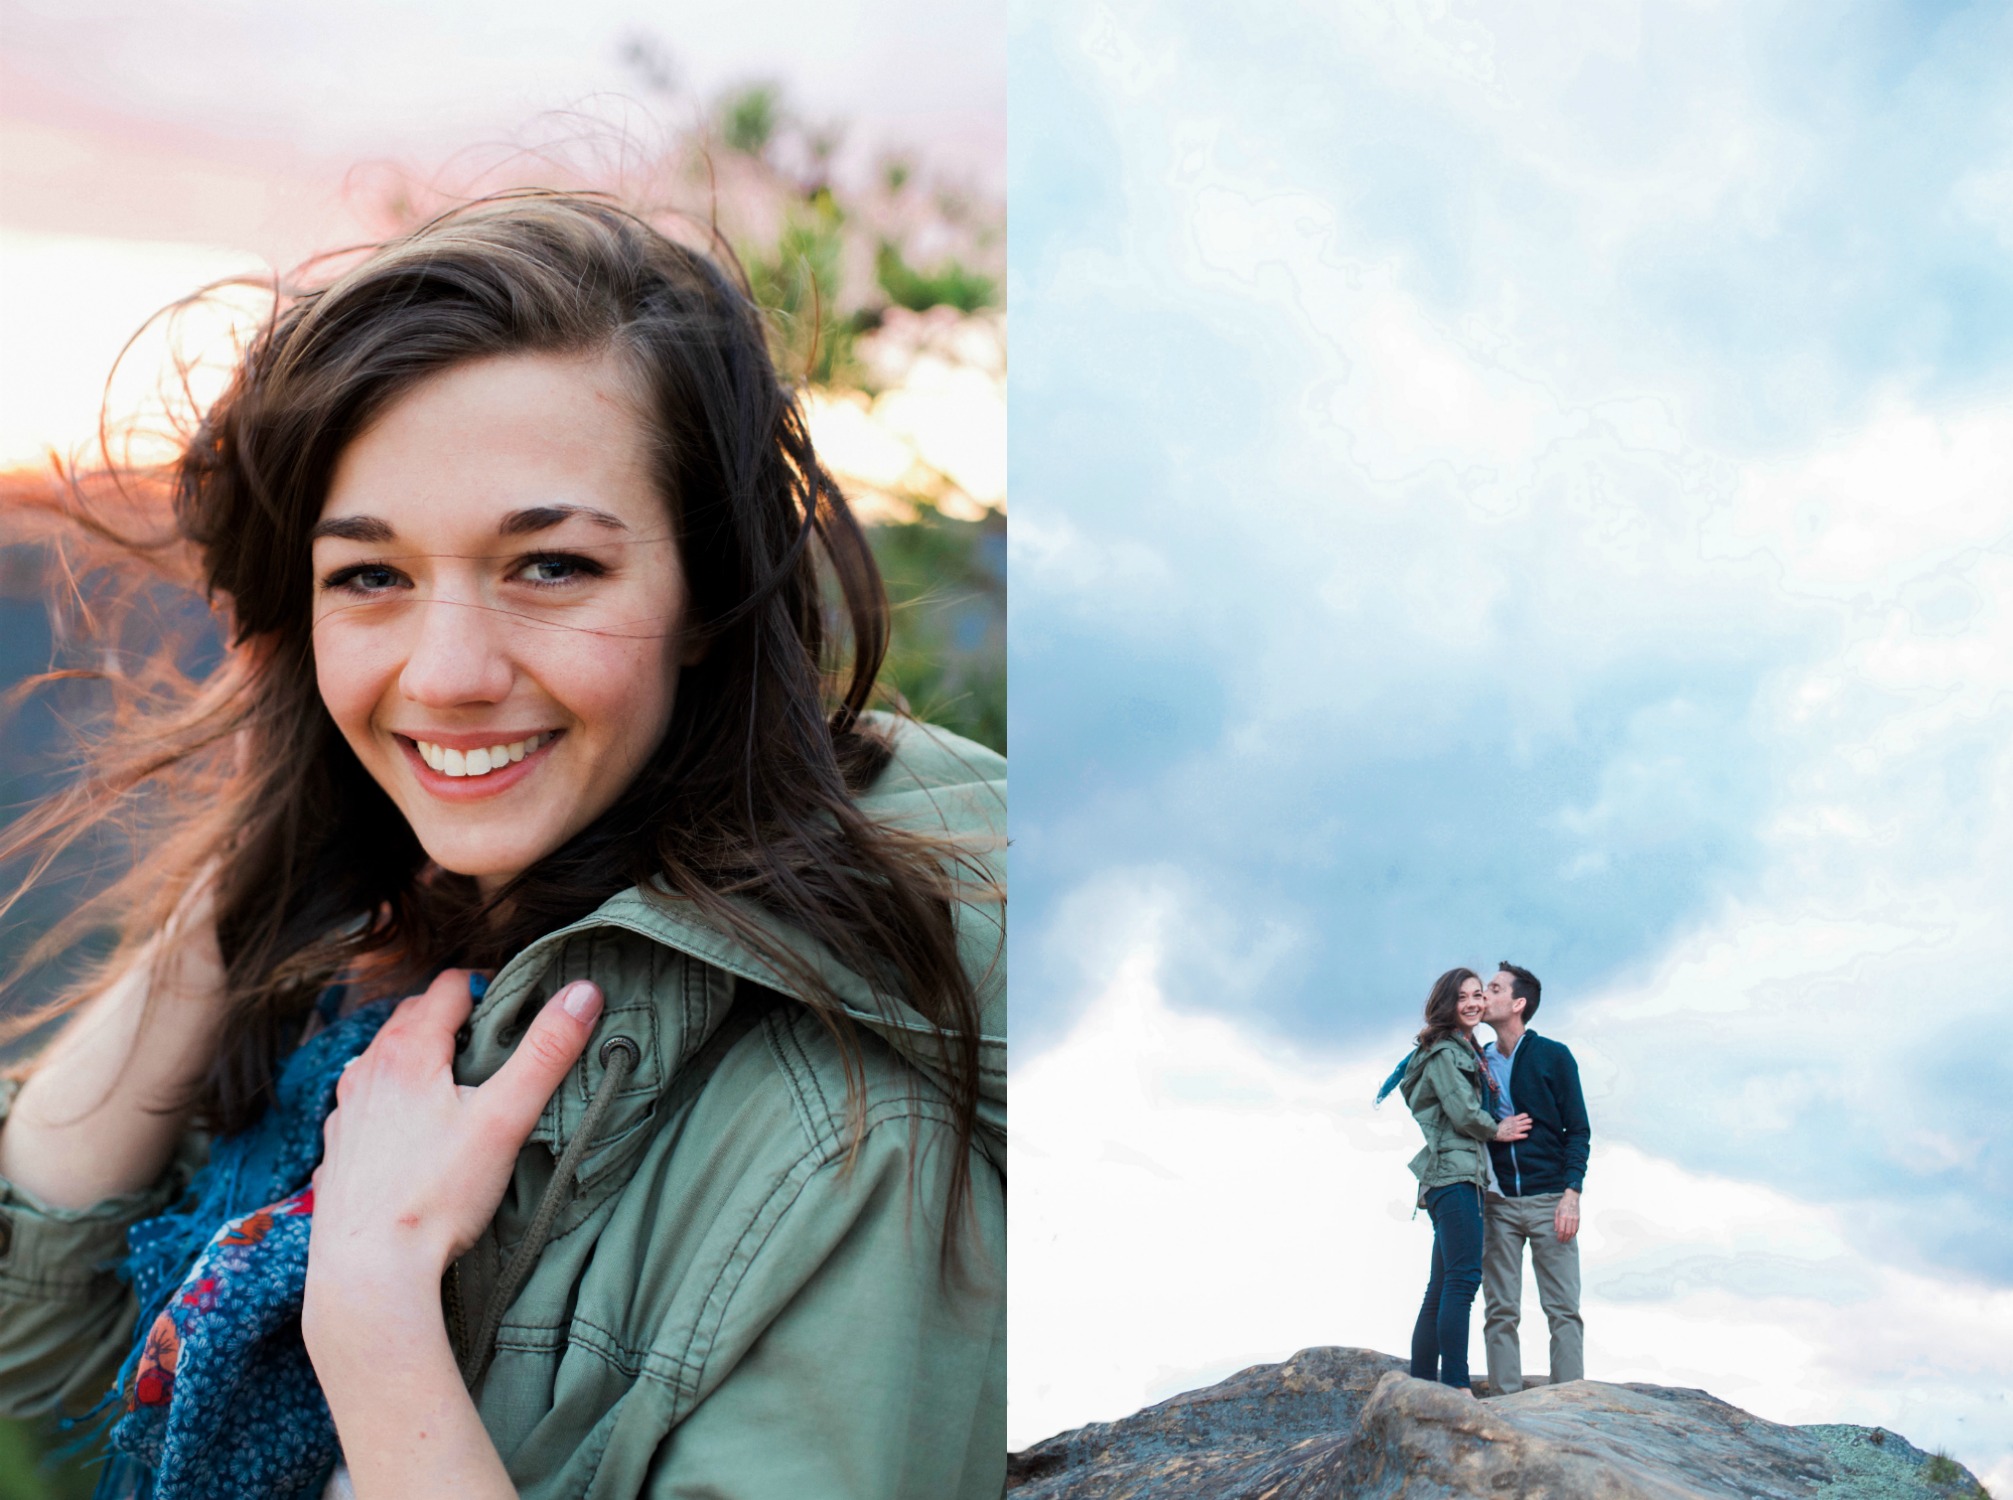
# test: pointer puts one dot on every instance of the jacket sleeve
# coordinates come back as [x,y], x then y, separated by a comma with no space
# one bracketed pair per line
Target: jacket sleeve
[921,1411]
[1572,1118]
[1460,1098]
[66,1320]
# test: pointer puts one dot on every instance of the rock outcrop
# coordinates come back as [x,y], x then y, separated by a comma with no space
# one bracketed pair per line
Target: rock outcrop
[1349,1424]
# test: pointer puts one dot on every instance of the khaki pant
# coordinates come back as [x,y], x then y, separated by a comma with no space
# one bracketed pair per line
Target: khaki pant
[1512,1224]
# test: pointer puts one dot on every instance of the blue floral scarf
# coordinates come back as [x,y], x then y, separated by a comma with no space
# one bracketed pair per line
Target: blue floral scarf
[217,1400]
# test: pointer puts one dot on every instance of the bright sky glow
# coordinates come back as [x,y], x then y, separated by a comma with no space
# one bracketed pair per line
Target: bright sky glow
[936,425]
[1530,483]
[138,144]
[69,303]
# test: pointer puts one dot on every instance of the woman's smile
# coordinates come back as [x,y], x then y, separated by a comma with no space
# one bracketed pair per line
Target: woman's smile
[460,767]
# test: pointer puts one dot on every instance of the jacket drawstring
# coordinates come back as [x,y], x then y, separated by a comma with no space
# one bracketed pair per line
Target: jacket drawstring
[619,1057]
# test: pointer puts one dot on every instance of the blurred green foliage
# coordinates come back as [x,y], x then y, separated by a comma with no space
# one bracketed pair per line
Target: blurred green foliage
[749,117]
[946,578]
[26,1474]
[806,274]
[947,584]
[797,280]
[952,284]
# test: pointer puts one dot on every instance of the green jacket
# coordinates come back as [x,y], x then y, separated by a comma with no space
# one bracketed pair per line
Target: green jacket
[728,1306]
[1443,1089]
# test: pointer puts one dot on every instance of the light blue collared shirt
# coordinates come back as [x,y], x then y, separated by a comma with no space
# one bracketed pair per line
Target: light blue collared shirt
[1499,1069]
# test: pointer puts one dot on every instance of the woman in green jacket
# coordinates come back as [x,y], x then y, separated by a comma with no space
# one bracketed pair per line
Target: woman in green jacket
[681,1171]
[1446,1087]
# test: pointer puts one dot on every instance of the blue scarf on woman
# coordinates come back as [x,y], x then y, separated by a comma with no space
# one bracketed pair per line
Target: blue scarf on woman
[217,1400]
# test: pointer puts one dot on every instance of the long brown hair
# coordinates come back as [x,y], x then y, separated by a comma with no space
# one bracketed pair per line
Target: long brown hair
[1441,1003]
[747,809]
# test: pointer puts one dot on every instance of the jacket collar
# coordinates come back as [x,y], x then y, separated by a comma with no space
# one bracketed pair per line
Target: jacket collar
[668,974]
[662,1000]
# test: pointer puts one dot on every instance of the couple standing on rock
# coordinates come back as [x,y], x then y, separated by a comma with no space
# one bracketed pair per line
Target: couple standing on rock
[1505,1155]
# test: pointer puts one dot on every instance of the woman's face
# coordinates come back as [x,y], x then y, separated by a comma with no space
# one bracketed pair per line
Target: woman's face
[499,605]
[1469,1007]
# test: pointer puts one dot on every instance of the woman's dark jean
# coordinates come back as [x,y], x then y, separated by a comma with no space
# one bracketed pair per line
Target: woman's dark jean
[1440,1337]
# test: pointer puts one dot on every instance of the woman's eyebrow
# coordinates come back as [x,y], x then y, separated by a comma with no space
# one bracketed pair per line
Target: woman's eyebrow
[544,517]
[354,529]
[517,523]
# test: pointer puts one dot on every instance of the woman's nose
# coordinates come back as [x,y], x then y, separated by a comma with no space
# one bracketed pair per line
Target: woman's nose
[458,654]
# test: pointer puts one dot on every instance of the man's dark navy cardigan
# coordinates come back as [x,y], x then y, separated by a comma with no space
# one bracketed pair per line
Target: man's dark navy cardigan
[1544,1084]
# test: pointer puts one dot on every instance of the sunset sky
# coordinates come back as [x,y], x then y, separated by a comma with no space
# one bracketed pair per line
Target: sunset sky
[1518,483]
[147,149]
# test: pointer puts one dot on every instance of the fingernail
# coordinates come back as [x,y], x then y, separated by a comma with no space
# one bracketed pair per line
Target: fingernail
[581,999]
[478,986]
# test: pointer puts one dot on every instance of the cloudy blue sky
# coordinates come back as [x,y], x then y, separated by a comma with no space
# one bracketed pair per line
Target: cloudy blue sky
[1529,482]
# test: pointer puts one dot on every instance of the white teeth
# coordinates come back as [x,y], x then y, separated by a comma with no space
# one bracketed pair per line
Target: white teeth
[479,761]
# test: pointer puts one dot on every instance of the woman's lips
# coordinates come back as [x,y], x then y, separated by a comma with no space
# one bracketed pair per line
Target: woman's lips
[480,758]
[466,788]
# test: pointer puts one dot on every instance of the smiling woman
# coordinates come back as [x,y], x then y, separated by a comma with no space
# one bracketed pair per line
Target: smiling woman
[480,625]
[679,1169]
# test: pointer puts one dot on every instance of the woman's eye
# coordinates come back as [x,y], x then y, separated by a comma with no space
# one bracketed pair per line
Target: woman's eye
[558,568]
[364,578]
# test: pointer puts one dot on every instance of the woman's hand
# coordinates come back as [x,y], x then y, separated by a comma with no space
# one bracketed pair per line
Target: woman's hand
[414,1168]
[1514,1129]
[415,1164]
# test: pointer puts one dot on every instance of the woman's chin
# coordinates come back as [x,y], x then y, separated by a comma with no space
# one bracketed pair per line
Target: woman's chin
[490,866]
[492,847]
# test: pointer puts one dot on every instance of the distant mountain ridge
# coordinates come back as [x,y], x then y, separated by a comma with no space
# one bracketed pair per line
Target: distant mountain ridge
[1350,1424]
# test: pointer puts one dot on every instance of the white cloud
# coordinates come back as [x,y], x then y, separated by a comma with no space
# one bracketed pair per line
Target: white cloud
[1115,581]
[1903,493]
[1985,196]
[1406,396]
